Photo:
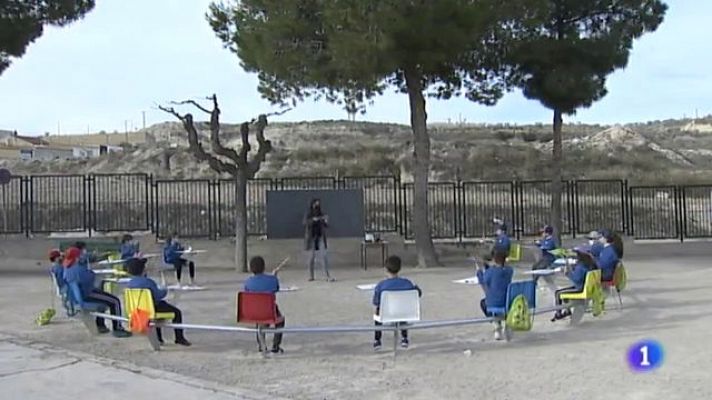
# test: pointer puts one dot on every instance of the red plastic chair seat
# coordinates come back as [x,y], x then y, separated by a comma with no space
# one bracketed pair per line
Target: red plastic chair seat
[257,309]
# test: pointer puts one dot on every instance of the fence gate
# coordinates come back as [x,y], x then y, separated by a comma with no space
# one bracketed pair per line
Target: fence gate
[120,202]
[256,206]
[183,207]
[534,201]
[442,210]
[654,212]
[480,202]
[697,211]
[58,203]
[12,201]
[599,204]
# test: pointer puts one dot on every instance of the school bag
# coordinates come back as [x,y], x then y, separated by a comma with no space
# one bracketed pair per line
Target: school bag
[519,317]
[138,321]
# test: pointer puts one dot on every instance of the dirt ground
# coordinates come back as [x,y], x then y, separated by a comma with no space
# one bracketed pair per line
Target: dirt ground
[667,300]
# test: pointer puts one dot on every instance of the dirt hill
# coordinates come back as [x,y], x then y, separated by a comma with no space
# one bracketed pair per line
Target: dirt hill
[655,152]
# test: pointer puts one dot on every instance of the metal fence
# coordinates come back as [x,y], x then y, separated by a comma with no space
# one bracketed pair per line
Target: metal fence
[456,210]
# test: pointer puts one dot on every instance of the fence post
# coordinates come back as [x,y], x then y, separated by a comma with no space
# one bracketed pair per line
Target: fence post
[681,213]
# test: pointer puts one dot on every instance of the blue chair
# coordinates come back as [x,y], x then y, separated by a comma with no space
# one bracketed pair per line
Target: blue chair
[526,288]
[84,308]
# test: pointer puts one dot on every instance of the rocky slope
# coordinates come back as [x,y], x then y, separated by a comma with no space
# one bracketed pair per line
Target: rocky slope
[661,151]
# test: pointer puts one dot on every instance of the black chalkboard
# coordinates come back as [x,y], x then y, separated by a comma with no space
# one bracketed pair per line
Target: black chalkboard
[286,209]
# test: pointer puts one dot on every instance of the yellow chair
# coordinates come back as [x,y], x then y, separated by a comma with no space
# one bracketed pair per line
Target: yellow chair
[580,300]
[515,253]
[141,299]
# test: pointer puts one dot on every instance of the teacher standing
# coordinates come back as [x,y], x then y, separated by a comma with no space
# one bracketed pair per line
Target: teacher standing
[315,226]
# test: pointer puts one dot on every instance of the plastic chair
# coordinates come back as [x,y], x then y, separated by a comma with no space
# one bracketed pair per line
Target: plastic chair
[580,300]
[619,282]
[398,307]
[515,253]
[259,309]
[63,296]
[82,307]
[526,288]
[141,299]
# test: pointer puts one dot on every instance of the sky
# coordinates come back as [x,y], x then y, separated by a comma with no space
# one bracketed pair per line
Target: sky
[107,71]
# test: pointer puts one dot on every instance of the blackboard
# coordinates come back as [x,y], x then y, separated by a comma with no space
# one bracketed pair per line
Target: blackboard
[286,209]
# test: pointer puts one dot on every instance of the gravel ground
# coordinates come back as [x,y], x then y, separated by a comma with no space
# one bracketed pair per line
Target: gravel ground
[666,300]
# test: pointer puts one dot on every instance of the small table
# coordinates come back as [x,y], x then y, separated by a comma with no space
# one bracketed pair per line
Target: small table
[364,252]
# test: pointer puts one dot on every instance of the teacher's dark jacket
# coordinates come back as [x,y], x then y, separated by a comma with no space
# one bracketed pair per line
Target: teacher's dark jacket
[309,230]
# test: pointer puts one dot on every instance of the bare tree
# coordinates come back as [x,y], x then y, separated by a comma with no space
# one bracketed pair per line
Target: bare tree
[225,160]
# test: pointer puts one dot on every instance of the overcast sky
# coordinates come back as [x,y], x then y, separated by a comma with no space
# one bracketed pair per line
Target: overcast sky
[103,72]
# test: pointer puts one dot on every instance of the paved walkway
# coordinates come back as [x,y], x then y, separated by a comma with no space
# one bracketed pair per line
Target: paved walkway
[31,371]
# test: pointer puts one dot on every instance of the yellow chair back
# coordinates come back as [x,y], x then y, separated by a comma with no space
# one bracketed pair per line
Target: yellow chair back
[593,280]
[620,277]
[515,253]
[139,299]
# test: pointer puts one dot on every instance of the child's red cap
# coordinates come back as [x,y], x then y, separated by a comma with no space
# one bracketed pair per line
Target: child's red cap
[54,254]
[71,256]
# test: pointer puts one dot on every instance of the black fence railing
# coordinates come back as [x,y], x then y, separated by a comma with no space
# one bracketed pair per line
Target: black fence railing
[456,210]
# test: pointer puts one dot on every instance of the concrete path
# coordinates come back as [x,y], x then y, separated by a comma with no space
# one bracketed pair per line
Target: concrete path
[33,371]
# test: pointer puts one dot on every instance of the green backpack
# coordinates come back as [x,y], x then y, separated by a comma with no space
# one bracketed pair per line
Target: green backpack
[519,317]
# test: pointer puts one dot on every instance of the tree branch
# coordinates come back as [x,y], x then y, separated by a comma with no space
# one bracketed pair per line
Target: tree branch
[265,146]
[193,103]
[218,148]
[196,148]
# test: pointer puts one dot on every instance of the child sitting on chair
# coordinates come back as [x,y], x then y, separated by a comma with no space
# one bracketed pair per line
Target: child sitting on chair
[584,264]
[77,272]
[55,257]
[172,254]
[608,259]
[495,281]
[136,268]
[502,243]
[129,247]
[260,282]
[393,282]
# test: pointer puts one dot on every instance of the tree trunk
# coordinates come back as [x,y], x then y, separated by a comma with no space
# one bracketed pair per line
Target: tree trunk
[241,220]
[556,176]
[421,161]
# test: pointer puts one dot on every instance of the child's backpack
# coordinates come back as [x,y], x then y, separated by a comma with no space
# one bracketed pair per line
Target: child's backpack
[138,321]
[519,317]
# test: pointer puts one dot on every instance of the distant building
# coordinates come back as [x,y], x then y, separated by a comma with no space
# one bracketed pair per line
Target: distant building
[30,148]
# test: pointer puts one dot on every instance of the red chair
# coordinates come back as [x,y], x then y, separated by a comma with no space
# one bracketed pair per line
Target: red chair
[259,309]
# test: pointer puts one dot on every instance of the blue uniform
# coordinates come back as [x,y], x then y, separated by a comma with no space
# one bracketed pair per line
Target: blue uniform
[83,276]
[596,249]
[495,281]
[549,243]
[128,250]
[607,261]
[171,252]
[142,282]
[58,272]
[502,243]
[396,283]
[262,283]
[578,275]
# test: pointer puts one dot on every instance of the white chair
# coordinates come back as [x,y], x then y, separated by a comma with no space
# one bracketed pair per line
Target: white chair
[162,269]
[398,307]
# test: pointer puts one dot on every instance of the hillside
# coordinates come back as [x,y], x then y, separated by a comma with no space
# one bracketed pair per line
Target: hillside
[655,152]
